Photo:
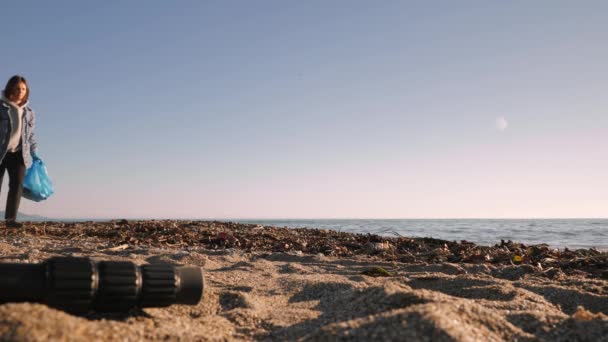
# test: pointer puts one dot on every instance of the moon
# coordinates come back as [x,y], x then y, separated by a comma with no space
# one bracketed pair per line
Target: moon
[501,123]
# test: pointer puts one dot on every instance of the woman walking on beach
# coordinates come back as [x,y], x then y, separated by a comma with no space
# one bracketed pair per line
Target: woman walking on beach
[17,143]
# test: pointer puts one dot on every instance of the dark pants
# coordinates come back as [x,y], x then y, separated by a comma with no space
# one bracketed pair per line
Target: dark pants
[13,162]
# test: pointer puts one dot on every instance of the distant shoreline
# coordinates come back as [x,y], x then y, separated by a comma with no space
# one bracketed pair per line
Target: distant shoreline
[557,233]
[256,237]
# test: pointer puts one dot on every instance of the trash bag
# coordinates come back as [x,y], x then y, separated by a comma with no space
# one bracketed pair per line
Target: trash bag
[37,185]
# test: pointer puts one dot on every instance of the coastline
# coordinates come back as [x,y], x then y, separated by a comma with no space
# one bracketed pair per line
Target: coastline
[269,283]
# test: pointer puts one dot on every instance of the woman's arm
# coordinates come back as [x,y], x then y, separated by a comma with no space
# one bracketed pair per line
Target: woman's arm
[32,138]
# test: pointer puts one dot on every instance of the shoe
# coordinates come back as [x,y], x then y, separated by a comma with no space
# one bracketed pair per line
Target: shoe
[13,224]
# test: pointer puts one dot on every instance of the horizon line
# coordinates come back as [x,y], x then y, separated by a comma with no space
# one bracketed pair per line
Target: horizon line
[307,219]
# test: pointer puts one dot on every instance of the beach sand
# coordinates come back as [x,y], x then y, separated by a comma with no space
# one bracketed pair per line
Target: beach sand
[270,289]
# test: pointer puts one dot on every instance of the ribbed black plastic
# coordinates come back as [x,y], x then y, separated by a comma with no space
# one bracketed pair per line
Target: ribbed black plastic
[22,282]
[119,286]
[79,285]
[71,283]
[191,285]
[159,286]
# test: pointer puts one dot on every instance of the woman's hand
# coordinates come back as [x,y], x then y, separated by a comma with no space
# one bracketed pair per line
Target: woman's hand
[35,156]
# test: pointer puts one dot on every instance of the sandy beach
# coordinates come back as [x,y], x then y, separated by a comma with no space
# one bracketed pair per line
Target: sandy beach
[269,283]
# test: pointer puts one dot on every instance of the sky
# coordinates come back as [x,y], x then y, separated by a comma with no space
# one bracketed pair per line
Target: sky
[316,109]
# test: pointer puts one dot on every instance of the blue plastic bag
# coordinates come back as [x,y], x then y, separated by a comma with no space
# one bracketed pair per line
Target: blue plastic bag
[37,185]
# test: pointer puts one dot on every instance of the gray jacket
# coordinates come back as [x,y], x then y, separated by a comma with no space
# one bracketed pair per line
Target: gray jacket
[28,142]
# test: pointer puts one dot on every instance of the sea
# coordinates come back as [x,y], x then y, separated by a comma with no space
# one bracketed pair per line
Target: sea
[557,233]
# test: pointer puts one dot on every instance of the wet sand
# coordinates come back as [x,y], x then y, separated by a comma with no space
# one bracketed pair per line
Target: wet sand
[268,283]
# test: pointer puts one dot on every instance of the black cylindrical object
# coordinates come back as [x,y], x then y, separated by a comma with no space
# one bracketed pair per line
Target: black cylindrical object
[80,285]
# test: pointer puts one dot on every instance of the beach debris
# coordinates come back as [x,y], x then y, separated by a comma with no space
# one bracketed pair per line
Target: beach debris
[118,248]
[554,273]
[517,259]
[377,271]
[376,247]
[225,237]
[582,314]
[216,235]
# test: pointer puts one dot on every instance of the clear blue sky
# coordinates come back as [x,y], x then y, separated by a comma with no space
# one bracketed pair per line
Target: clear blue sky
[316,109]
